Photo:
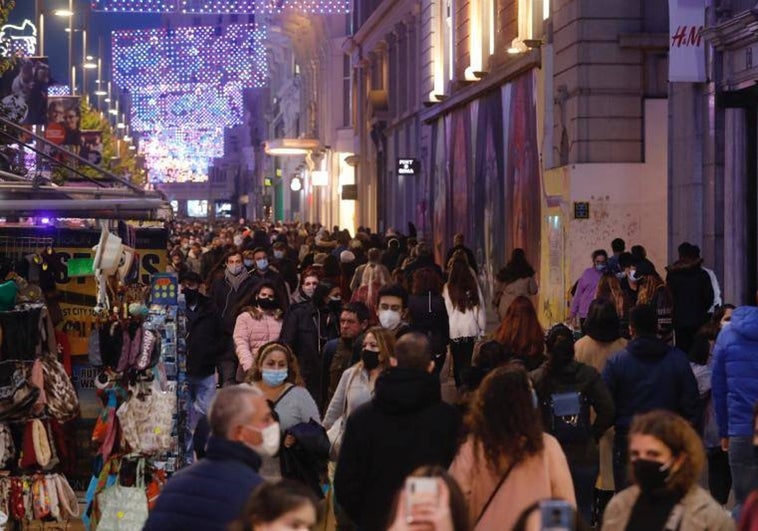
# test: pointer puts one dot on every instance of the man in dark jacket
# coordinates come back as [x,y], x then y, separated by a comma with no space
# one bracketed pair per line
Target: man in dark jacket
[406,425]
[306,328]
[205,335]
[211,493]
[342,352]
[227,294]
[692,291]
[735,393]
[424,258]
[262,271]
[458,245]
[647,375]
[285,265]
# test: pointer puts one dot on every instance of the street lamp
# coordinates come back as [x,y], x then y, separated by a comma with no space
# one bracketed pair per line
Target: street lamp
[63,13]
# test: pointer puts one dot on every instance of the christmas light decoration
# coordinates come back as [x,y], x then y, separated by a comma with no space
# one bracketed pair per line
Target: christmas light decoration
[58,90]
[186,87]
[317,7]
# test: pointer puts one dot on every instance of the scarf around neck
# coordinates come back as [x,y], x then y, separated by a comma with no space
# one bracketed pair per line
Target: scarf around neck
[235,281]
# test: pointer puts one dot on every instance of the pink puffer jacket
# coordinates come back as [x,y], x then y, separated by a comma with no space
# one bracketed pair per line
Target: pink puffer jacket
[253,329]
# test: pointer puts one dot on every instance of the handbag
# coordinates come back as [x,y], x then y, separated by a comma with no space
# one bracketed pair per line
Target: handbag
[62,400]
[124,508]
[93,348]
[337,431]
[17,395]
[147,420]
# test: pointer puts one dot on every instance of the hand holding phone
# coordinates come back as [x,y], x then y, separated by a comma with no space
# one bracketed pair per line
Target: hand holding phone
[423,507]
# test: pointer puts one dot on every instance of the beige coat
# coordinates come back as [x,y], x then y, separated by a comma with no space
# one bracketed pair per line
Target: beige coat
[539,477]
[508,292]
[596,353]
[701,512]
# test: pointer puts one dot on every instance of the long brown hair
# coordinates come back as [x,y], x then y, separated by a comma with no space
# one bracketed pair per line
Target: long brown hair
[255,374]
[649,288]
[677,434]
[609,288]
[506,434]
[386,341]
[461,284]
[520,331]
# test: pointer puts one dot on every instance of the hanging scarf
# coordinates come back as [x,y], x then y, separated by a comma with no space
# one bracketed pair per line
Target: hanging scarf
[235,281]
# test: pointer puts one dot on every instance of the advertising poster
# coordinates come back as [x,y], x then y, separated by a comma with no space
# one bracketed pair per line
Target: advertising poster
[63,120]
[23,90]
[92,146]
[686,44]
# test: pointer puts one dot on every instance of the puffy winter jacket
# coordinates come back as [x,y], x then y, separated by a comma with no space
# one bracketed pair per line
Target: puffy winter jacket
[647,375]
[253,329]
[209,494]
[735,373]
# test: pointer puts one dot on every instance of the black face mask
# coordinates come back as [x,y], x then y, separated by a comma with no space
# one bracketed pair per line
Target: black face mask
[335,306]
[651,476]
[266,304]
[191,296]
[370,359]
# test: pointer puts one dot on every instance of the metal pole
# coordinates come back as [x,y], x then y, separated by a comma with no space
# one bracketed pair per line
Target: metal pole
[71,45]
[84,60]
[40,18]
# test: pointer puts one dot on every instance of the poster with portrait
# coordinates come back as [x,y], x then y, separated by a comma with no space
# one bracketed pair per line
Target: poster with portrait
[23,91]
[92,146]
[63,120]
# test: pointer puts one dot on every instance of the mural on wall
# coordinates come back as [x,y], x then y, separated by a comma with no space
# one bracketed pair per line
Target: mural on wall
[486,178]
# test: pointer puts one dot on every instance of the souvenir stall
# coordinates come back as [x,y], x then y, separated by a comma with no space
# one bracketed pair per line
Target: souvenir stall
[98,390]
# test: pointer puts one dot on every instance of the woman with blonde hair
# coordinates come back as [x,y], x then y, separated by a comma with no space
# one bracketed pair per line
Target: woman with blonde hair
[373,278]
[277,374]
[356,385]
[666,460]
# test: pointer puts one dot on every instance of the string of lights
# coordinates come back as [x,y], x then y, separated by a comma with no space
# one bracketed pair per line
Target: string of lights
[186,87]
[223,7]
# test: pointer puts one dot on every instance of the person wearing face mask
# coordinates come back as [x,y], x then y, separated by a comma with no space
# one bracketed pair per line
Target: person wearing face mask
[374,277]
[355,388]
[261,270]
[282,506]
[177,264]
[392,309]
[307,327]
[212,492]
[227,293]
[404,426]
[666,462]
[285,265]
[195,258]
[259,322]
[204,340]
[648,374]
[586,287]
[276,373]
[356,385]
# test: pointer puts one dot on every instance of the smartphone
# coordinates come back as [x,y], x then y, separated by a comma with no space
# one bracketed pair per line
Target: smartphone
[557,515]
[420,491]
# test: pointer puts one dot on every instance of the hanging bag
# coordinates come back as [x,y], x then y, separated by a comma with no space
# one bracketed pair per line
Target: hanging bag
[124,508]
[62,400]
[17,395]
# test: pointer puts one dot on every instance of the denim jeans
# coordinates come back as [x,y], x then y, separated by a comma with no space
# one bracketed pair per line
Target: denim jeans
[202,389]
[744,465]
[584,478]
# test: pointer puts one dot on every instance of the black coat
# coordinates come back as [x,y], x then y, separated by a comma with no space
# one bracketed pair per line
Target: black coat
[273,277]
[692,292]
[405,426]
[586,380]
[228,301]
[428,315]
[306,461]
[209,494]
[306,330]
[205,338]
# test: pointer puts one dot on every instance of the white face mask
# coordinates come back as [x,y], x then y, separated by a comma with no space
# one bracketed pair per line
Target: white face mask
[389,318]
[271,438]
[309,290]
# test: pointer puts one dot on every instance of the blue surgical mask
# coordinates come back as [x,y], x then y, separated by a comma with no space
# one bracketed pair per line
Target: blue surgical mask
[600,267]
[274,377]
[278,255]
[248,263]
[262,264]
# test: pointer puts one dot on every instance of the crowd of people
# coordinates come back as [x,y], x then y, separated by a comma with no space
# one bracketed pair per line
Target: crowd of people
[354,375]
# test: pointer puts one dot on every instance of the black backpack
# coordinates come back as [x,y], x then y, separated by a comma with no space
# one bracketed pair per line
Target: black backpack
[569,417]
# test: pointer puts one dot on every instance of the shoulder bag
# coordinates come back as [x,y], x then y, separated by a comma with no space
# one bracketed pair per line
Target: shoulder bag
[494,492]
[124,508]
[337,431]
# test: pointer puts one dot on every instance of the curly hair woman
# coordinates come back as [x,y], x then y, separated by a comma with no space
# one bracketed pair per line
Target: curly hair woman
[507,463]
